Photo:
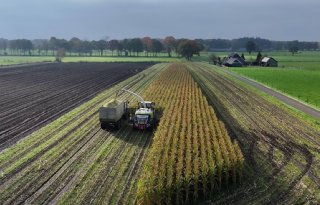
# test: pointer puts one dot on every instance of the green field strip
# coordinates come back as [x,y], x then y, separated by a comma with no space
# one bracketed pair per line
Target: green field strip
[21,60]
[119,170]
[110,163]
[131,185]
[92,173]
[84,170]
[65,175]
[48,163]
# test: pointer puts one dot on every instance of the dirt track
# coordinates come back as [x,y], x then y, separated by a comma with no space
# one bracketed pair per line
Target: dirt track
[294,103]
[34,95]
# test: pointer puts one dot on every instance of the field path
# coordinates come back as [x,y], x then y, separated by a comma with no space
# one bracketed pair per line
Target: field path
[290,101]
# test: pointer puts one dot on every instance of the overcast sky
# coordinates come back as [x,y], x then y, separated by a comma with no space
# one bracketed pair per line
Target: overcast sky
[97,19]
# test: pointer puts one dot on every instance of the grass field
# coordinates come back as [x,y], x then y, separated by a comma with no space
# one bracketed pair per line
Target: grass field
[283,57]
[304,65]
[302,84]
[11,60]
[297,75]
[119,59]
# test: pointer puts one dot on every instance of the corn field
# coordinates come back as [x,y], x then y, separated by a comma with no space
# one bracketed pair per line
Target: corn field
[191,156]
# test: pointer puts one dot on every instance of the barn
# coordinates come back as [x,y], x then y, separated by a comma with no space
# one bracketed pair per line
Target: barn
[269,62]
[236,56]
[233,62]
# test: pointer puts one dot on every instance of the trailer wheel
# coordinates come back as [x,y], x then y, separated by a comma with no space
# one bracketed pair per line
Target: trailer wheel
[103,126]
[119,124]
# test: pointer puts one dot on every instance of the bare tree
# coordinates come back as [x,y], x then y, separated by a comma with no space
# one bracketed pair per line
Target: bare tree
[251,46]
[169,43]
[61,53]
[113,45]
[147,45]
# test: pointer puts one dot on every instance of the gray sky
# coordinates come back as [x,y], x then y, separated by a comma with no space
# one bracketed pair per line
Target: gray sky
[96,19]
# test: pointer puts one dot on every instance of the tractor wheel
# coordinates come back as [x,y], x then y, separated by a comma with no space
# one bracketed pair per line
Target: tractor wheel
[103,126]
[134,127]
[119,124]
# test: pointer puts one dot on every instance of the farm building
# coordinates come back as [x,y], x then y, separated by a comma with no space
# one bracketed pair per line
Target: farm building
[269,62]
[234,60]
[237,56]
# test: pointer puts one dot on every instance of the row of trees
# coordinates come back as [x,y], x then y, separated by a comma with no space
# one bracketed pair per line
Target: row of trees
[259,44]
[126,47]
[150,46]
[292,46]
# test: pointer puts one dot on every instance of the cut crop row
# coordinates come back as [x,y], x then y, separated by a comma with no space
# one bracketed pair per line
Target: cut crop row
[192,155]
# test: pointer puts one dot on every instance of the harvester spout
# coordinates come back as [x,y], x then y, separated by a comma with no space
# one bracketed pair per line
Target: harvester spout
[133,93]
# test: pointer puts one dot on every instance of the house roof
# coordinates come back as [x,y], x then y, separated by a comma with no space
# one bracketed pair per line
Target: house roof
[233,60]
[266,59]
[236,56]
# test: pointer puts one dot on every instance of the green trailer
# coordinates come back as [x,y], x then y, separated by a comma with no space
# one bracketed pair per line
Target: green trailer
[112,113]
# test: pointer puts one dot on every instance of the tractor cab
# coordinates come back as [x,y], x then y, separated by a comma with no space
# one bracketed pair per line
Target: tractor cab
[144,116]
[148,104]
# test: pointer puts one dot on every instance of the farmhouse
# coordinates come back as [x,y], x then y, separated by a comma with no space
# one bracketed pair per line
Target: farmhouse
[269,62]
[234,60]
[237,56]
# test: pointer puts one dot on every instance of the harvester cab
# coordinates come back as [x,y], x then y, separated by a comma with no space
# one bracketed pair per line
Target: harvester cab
[144,116]
[146,104]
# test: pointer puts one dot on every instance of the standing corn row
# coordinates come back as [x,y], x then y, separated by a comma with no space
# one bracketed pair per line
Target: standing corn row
[191,155]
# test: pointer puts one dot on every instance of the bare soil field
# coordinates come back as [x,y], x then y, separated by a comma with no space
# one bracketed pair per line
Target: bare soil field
[32,96]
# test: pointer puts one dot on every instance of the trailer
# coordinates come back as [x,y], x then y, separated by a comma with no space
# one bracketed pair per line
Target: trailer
[112,113]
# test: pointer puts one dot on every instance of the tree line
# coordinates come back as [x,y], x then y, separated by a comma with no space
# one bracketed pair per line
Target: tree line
[149,46]
[126,47]
[256,44]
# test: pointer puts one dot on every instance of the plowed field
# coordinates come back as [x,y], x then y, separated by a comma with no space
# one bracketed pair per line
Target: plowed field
[31,96]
